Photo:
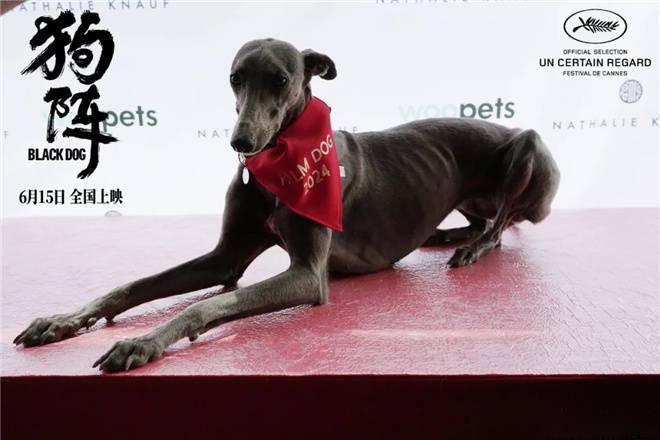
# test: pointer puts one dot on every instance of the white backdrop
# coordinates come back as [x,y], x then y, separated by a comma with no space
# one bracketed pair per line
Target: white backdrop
[396,61]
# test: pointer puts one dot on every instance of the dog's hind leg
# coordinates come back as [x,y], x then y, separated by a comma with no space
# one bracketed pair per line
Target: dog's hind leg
[440,237]
[519,166]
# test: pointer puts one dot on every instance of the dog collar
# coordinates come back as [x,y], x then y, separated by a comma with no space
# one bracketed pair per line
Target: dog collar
[302,169]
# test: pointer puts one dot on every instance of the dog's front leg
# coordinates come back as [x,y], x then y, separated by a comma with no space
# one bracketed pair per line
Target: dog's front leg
[305,282]
[223,266]
[296,286]
[243,238]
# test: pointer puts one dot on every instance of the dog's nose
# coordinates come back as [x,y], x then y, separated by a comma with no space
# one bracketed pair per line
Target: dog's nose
[242,145]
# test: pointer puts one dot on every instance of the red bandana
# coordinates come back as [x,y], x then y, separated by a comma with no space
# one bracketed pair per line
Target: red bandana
[302,169]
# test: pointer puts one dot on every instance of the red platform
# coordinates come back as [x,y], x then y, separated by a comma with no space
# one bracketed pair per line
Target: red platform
[564,318]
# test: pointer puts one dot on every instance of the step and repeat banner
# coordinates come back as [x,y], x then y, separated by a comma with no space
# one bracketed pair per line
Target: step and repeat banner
[582,74]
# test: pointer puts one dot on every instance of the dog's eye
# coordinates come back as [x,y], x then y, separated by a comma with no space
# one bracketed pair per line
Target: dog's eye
[281,80]
[234,79]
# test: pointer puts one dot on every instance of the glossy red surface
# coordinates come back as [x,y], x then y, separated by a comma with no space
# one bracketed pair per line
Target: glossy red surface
[576,294]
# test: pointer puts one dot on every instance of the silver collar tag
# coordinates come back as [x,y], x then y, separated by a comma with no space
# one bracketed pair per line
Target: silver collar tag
[246,173]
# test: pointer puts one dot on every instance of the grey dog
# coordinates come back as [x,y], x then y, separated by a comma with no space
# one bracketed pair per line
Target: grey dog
[399,185]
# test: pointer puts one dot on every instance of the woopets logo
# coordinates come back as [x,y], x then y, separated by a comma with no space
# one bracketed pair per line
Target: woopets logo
[595,26]
[131,118]
[497,109]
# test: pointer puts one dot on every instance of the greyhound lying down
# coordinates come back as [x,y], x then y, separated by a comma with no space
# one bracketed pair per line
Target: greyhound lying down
[399,184]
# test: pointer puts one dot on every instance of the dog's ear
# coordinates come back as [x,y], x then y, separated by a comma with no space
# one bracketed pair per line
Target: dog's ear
[318,64]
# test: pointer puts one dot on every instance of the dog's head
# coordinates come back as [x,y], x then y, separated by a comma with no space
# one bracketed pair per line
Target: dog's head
[270,79]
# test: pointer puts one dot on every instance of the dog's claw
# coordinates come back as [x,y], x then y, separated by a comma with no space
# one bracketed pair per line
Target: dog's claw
[463,257]
[128,354]
[104,357]
[18,339]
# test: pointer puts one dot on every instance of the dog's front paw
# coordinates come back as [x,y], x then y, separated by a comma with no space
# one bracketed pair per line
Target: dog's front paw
[463,256]
[52,329]
[129,353]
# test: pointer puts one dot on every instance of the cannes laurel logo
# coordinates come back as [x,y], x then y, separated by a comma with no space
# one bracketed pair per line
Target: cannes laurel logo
[595,26]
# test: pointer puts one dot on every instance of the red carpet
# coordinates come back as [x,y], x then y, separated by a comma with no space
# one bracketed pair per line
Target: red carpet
[563,318]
